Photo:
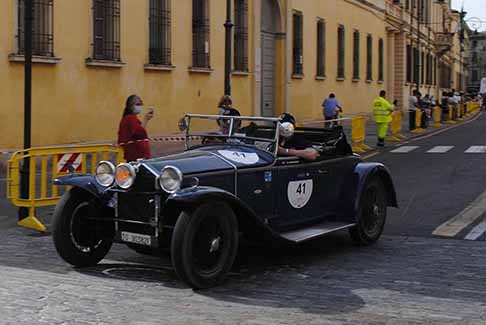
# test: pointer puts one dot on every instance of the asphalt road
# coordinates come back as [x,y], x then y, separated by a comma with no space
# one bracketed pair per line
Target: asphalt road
[434,187]
[422,271]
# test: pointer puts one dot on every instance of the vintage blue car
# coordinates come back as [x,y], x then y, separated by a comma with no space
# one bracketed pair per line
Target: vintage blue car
[228,185]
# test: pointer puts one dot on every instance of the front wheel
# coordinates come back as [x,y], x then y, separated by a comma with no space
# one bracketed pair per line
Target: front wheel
[75,235]
[204,244]
[371,214]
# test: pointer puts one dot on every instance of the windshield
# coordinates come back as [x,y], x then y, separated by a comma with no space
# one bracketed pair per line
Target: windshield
[216,130]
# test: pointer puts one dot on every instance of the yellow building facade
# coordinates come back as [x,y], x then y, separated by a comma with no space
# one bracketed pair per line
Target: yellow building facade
[288,55]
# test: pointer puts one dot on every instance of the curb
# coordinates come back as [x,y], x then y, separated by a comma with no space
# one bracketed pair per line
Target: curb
[423,135]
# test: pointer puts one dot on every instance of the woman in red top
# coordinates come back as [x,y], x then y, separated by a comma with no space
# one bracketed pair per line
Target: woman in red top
[132,133]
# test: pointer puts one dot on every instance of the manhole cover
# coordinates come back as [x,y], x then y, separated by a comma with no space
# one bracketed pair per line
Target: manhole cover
[138,273]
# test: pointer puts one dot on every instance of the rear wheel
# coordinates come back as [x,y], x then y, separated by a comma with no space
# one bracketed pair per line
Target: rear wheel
[372,214]
[75,236]
[204,244]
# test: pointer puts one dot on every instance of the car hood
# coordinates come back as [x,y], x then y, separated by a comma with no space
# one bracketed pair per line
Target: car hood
[211,159]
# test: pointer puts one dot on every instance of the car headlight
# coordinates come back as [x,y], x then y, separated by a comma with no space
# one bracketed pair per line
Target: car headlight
[170,179]
[125,175]
[105,173]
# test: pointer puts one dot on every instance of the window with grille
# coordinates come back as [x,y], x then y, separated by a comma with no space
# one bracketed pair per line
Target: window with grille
[106,22]
[381,60]
[369,57]
[42,28]
[341,52]
[409,63]
[321,48]
[200,34]
[422,67]
[356,51]
[241,36]
[416,65]
[435,72]
[160,34]
[298,52]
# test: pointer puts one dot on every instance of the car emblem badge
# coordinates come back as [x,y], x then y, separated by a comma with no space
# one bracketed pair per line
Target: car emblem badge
[268,177]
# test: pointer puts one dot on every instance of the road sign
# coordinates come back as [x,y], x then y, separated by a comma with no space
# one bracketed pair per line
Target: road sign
[70,159]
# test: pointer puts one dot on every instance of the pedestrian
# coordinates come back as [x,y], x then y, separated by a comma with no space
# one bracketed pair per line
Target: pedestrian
[330,109]
[132,133]
[445,106]
[412,109]
[382,110]
[225,103]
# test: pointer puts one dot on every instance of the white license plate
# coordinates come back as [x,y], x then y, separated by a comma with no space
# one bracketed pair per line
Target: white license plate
[136,238]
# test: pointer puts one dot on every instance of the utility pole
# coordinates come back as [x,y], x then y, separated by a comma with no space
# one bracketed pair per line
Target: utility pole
[24,172]
[227,63]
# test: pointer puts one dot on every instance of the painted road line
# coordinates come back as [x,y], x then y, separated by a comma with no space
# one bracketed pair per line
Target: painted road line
[477,231]
[404,149]
[476,149]
[466,217]
[440,149]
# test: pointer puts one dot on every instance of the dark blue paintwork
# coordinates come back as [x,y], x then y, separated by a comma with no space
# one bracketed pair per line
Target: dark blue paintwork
[257,186]
[85,182]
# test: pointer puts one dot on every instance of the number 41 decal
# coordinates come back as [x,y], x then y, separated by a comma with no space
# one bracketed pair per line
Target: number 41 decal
[299,193]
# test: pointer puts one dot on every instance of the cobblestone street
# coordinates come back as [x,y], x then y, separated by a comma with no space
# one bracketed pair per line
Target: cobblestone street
[329,281]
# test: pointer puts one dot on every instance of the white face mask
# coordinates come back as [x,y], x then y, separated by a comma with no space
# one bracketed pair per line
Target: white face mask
[137,109]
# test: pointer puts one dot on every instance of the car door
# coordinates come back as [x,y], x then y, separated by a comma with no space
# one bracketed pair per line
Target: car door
[297,192]
[256,189]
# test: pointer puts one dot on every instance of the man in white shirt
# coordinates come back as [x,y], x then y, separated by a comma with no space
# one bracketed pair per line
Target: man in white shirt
[413,104]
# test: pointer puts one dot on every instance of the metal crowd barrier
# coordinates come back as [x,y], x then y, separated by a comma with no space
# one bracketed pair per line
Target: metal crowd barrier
[396,127]
[437,117]
[45,165]
[418,122]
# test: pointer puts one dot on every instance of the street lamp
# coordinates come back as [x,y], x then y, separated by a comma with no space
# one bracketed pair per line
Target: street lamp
[227,64]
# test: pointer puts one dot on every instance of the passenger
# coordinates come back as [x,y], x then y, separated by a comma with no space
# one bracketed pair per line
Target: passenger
[224,126]
[132,133]
[291,144]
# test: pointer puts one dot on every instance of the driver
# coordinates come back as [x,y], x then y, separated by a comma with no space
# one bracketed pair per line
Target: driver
[291,144]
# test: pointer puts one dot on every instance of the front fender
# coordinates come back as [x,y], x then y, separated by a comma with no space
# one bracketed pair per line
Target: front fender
[365,172]
[84,182]
[250,224]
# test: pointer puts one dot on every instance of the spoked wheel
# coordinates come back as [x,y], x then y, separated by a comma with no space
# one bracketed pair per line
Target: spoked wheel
[75,235]
[204,244]
[372,214]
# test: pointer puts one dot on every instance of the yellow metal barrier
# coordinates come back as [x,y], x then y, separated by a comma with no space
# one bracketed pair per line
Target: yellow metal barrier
[437,117]
[396,127]
[418,122]
[358,134]
[450,116]
[46,164]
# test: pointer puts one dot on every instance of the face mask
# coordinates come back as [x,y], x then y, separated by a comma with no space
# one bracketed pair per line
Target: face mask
[137,109]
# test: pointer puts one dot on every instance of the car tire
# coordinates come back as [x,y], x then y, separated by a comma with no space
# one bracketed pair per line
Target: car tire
[204,244]
[371,214]
[75,238]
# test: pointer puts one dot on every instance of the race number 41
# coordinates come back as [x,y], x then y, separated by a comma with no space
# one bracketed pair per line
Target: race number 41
[299,193]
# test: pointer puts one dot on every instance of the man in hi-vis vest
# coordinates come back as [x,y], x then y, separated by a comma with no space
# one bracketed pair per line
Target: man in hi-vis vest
[382,110]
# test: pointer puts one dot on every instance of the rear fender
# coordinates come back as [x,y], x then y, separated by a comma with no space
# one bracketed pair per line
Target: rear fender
[366,172]
[87,183]
[186,199]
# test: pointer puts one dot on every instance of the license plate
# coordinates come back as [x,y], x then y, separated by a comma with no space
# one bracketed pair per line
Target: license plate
[136,238]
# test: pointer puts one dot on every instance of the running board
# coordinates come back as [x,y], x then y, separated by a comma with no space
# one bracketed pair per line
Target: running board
[317,230]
